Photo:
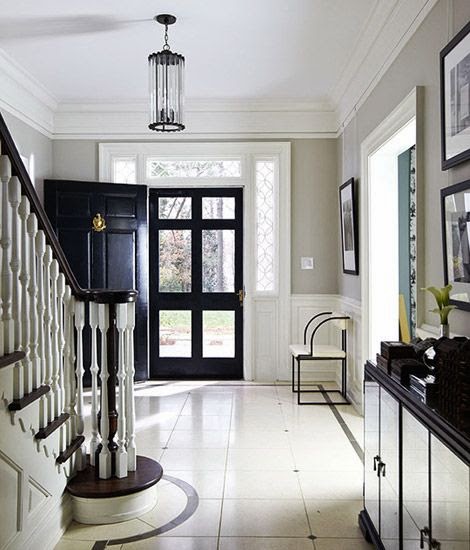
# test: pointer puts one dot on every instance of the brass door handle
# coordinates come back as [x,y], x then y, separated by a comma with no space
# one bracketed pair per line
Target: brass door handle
[99,223]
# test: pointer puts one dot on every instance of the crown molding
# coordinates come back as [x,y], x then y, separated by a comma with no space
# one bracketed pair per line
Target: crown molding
[204,119]
[26,98]
[388,30]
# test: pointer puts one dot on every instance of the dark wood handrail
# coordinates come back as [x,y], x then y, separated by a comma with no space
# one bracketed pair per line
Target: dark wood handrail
[18,169]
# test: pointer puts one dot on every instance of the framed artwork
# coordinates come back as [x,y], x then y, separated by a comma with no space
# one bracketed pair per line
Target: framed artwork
[455,212]
[349,244]
[455,99]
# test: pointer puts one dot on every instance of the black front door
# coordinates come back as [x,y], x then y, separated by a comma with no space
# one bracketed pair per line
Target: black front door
[114,258]
[196,283]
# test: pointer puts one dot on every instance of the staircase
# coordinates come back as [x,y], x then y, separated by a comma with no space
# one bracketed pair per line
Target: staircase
[47,475]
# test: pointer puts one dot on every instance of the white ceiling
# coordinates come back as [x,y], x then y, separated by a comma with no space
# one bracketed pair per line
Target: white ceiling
[278,50]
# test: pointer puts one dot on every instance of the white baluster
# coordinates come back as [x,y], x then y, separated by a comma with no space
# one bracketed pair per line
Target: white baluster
[55,337]
[105,455]
[14,194]
[40,252]
[121,454]
[7,339]
[61,338]
[130,414]
[69,371]
[32,225]
[94,369]
[47,330]
[24,279]
[79,325]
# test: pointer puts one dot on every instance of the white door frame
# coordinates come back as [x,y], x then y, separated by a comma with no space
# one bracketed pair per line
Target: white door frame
[266,323]
[398,118]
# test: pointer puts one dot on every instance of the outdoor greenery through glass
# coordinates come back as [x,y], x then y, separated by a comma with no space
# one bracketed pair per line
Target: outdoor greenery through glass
[218,328]
[175,260]
[218,208]
[218,260]
[174,208]
[175,333]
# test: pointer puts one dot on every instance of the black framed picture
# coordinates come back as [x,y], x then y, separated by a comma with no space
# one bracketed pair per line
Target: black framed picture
[455,99]
[455,212]
[349,244]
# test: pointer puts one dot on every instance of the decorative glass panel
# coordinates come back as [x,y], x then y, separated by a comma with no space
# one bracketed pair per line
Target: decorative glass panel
[157,168]
[218,208]
[218,329]
[218,260]
[265,258]
[175,260]
[175,333]
[124,170]
[174,208]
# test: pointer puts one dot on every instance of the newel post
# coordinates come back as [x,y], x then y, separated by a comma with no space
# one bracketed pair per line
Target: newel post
[111,458]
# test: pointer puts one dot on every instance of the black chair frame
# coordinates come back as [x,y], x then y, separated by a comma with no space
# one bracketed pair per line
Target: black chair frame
[296,387]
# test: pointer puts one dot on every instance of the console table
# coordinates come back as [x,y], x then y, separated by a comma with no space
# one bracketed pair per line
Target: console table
[416,471]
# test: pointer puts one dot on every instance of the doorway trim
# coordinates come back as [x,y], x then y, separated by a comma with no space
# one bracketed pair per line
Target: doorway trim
[266,313]
[402,115]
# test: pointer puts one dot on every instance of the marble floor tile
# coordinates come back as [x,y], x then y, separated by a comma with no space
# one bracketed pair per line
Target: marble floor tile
[260,459]
[333,486]
[342,544]
[82,532]
[203,422]
[207,484]
[334,518]
[262,484]
[173,543]
[198,439]
[265,543]
[194,459]
[262,518]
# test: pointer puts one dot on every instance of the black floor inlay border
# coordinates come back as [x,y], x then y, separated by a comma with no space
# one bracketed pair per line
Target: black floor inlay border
[344,426]
[191,506]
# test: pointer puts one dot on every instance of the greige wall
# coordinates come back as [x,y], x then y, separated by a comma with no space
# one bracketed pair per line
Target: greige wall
[31,142]
[314,198]
[417,65]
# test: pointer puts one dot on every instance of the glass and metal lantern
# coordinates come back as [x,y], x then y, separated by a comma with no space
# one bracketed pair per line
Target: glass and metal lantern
[166,72]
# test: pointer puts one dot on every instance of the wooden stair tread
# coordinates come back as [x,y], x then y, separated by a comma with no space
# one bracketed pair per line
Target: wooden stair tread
[45,432]
[68,452]
[19,404]
[11,358]
[87,484]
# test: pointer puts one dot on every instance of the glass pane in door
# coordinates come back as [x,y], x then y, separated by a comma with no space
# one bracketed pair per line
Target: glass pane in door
[218,208]
[218,260]
[174,208]
[174,260]
[218,329]
[175,333]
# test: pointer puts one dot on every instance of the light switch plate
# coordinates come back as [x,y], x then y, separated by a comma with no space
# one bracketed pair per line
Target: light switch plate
[306,263]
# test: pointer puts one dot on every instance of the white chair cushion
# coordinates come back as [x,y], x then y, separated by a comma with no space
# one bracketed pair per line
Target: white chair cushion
[319,351]
[299,349]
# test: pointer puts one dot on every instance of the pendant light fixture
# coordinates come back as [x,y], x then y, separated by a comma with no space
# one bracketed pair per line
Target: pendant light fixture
[166,72]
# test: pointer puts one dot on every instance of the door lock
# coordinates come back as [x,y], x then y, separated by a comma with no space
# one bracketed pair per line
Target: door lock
[241,296]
